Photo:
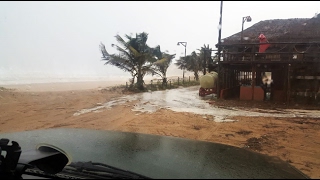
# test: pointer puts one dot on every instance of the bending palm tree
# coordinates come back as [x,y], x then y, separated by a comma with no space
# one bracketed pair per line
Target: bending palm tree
[162,65]
[134,56]
[191,63]
[205,56]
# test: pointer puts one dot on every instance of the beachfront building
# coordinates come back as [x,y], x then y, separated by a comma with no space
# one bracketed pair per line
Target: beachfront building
[276,60]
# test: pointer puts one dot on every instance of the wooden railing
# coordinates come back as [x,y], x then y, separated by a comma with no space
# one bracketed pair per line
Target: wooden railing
[281,51]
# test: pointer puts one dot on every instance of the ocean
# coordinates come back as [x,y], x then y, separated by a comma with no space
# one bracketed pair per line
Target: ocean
[19,77]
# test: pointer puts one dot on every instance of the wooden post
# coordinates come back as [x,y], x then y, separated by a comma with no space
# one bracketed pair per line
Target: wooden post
[289,85]
[253,79]
[253,57]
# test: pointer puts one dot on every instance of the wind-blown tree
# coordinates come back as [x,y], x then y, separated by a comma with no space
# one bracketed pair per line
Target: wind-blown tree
[134,56]
[181,63]
[205,56]
[195,64]
[191,63]
[162,66]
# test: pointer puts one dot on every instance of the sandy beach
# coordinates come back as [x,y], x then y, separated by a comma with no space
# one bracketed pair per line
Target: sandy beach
[53,105]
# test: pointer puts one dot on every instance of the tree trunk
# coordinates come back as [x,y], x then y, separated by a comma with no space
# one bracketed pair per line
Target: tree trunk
[140,81]
[164,80]
[196,76]
[204,63]
[132,80]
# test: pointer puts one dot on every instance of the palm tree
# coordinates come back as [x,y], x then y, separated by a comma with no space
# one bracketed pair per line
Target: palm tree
[162,66]
[181,63]
[191,63]
[134,56]
[195,64]
[205,56]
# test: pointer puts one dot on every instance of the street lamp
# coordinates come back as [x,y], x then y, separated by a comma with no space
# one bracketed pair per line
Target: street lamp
[244,19]
[185,53]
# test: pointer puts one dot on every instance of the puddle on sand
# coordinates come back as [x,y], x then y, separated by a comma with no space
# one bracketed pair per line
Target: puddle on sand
[188,100]
[223,119]
[101,106]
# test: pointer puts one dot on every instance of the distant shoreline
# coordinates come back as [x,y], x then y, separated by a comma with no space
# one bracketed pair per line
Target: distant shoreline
[75,85]
[63,86]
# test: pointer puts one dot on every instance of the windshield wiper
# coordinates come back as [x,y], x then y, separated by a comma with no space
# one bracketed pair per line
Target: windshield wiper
[52,164]
[100,169]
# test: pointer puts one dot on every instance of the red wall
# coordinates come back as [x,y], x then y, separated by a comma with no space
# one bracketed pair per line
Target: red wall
[246,93]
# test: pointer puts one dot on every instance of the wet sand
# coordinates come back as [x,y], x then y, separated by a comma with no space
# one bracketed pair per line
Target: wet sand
[294,139]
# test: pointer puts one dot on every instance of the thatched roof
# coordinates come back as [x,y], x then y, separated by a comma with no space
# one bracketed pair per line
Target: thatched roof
[280,30]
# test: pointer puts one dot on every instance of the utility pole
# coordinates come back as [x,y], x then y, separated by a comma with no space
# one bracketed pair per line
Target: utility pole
[219,50]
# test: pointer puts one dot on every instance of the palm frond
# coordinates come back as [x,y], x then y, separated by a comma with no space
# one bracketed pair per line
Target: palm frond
[120,62]
[103,50]
[134,51]
[121,41]
[156,52]
[142,38]
[161,62]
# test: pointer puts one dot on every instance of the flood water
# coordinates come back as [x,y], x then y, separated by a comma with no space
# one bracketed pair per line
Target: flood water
[188,100]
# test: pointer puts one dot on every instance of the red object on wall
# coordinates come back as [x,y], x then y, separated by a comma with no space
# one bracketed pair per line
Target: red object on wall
[263,47]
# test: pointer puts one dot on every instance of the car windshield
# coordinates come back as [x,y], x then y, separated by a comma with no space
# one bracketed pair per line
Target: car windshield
[244,74]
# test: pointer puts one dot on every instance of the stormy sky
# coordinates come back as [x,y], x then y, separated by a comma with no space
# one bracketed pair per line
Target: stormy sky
[62,38]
